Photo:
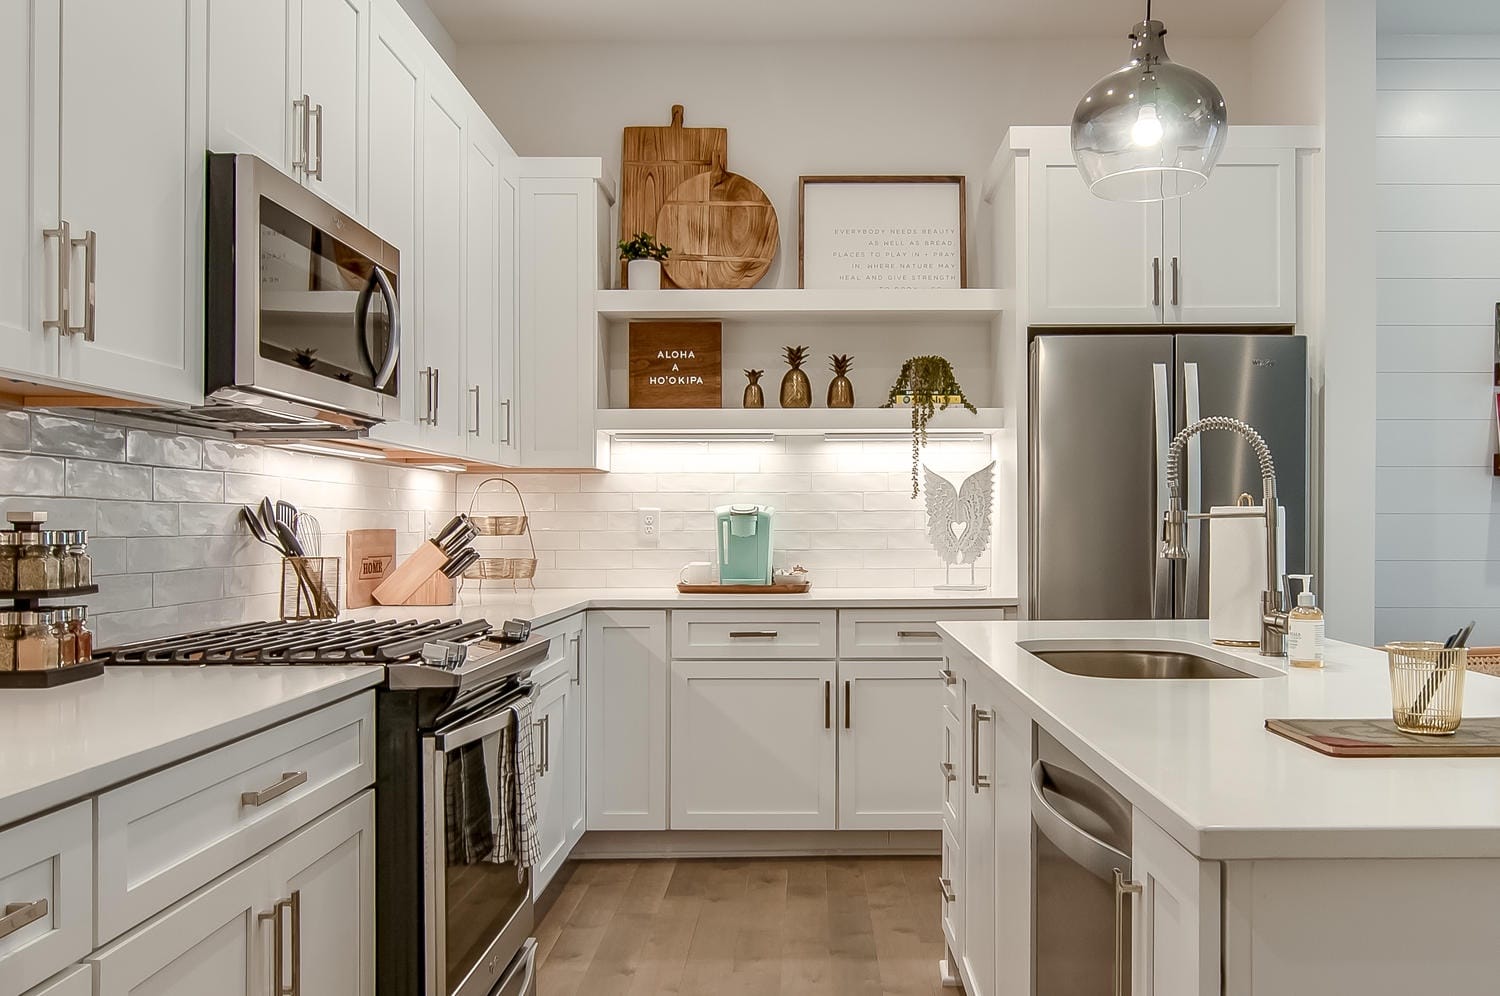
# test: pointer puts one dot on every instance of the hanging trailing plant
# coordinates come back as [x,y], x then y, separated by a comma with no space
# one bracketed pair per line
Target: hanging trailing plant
[928,384]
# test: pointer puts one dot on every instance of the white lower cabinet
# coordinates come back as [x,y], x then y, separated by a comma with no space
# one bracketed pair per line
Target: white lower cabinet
[46,896]
[76,981]
[890,744]
[573,740]
[1176,949]
[548,731]
[625,684]
[753,745]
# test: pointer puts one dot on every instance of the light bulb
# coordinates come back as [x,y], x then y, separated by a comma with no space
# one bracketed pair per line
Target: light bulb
[1147,130]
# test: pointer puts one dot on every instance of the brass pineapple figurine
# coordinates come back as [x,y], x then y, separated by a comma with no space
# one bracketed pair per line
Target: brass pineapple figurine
[755,397]
[840,391]
[796,390]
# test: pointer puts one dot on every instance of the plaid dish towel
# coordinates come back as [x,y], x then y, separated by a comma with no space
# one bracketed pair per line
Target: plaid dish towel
[517,839]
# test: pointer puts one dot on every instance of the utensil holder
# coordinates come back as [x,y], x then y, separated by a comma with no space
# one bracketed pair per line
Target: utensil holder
[310,587]
[1427,687]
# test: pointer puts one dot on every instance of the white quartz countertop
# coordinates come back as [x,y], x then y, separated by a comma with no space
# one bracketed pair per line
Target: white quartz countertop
[65,743]
[1195,756]
[498,603]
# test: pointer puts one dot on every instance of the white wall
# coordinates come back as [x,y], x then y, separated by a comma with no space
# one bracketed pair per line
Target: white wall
[1286,66]
[428,23]
[793,109]
[1438,163]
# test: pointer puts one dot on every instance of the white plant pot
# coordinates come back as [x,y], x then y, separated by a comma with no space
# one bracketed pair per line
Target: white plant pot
[643,274]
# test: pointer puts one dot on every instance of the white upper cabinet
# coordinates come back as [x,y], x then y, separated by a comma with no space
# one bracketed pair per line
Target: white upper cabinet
[397,56]
[333,46]
[440,334]
[484,297]
[132,179]
[287,84]
[1231,248]
[29,53]
[1226,254]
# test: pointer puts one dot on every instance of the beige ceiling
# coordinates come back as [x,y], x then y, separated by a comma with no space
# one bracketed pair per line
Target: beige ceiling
[491,21]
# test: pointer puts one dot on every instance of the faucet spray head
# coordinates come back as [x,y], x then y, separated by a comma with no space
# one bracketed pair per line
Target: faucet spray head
[1174,531]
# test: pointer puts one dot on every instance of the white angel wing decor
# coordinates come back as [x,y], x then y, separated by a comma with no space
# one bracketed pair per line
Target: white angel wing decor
[958,519]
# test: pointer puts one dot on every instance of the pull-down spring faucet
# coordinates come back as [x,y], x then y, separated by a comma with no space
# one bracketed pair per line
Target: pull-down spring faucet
[1273,608]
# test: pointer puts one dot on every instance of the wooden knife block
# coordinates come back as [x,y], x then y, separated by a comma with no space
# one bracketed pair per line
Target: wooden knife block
[418,580]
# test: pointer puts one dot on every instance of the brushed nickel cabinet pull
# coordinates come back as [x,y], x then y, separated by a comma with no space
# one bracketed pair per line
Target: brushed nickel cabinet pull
[18,915]
[506,405]
[917,634]
[64,236]
[1156,281]
[437,409]
[304,102]
[289,780]
[848,719]
[949,678]
[316,172]
[577,643]
[475,390]
[977,716]
[278,947]
[949,772]
[753,634]
[1176,281]
[827,705]
[949,896]
[90,244]
[1123,890]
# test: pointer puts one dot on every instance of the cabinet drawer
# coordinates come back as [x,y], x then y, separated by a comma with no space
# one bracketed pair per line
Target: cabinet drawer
[953,773]
[164,835]
[76,982]
[764,634]
[562,653]
[901,632]
[46,885]
[953,688]
[950,878]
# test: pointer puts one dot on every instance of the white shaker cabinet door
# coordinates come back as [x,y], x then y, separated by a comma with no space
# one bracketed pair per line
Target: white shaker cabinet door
[890,745]
[1176,916]
[441,393]
[253,75]
[29,50]
[575,802]
[485,152]
[754,745]
[626,685]
[134,127]
[397,54]
[1092,261]
[548,738]
[1231,247]
[978,891]
[332,46]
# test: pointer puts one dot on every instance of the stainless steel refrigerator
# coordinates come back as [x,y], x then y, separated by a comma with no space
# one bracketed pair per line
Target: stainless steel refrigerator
[1104,407]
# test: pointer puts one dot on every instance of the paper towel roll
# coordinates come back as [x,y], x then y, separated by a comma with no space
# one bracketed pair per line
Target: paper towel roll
[1237,573]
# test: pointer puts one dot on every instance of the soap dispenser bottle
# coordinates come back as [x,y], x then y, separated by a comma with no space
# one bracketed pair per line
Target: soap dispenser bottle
[1304,634]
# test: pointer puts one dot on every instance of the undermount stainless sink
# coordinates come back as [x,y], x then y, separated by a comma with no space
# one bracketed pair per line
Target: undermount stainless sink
[1157,664]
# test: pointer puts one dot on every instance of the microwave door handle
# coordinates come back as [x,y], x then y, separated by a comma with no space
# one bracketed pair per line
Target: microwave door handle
[379,281]
[1082,847]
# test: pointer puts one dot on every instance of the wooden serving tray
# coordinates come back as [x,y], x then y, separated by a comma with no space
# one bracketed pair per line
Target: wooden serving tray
[1478,737]
[745,589]
[53,677]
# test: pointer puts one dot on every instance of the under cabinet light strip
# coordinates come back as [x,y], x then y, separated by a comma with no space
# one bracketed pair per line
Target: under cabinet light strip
[351,452]
[695,437]
[896,435]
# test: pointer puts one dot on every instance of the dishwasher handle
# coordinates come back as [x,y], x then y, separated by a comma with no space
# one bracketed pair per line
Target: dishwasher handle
[1083,848]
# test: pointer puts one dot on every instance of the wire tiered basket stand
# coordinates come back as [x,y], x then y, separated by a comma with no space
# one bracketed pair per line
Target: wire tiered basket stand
[502,568]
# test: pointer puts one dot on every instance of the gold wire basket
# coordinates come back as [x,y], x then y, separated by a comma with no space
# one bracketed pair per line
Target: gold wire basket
[1427,687]
[507,568]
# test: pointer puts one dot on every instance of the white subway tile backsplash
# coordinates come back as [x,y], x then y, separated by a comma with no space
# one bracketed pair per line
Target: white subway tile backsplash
[170,484]
[248,489]
[92,479]
[161,450]
[58,436]
[15,430]
[241,458]
[593,501]
[179,587]
[136,518]
[32,475]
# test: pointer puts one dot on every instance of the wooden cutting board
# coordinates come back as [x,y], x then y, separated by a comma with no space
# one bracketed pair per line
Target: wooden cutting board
[1477,737]
[722,230]
[656,160]
[370,556]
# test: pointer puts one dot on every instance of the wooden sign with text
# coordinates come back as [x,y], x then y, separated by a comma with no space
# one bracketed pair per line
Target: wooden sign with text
[676,364]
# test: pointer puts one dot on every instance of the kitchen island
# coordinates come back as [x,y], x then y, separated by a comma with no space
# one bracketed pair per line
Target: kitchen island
[1262,866]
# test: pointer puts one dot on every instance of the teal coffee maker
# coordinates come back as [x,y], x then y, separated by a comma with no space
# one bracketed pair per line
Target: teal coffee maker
[745,543]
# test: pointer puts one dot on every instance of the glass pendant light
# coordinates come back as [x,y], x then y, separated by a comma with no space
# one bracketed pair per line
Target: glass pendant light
[1151,130]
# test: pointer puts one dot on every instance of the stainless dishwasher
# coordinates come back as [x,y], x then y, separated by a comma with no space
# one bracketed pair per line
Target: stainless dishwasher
[1080,846]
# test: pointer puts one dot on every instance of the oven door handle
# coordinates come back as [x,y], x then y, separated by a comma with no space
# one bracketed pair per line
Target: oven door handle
[378,281]
[1100,859]
[491,722]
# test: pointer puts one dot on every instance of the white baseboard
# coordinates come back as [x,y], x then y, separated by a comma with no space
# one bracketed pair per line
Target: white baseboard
[643,844]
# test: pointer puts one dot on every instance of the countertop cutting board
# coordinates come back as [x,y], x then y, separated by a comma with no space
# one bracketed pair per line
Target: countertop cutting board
[1478,737]
[656,160]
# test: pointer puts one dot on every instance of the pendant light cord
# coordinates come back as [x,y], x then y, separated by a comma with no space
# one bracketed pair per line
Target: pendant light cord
[1148,10]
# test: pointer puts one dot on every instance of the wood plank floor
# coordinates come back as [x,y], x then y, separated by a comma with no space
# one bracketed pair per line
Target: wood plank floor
[836,926]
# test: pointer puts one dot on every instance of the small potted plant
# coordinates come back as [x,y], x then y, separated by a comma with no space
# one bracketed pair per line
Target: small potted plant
[928,384]
[643,255]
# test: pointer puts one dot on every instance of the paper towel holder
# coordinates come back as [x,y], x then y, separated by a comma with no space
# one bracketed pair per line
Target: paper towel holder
[1243,501]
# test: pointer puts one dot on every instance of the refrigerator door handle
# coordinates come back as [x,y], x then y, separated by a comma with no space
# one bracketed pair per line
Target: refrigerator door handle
[1161,569]
[1192,408]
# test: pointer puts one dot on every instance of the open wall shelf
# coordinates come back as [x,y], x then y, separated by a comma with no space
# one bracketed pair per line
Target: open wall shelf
[952,306]
[789,421]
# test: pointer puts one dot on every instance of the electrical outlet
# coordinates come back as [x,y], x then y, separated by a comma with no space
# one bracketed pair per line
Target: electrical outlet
[648,521]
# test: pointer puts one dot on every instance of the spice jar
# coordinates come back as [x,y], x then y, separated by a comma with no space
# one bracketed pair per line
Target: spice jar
[62,633]
[83,637]
[10,552]
[10,633]
[38,568]
[36,647]
[83,564]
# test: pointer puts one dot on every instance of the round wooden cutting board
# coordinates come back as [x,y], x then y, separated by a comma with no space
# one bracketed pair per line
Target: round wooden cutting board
[722,230]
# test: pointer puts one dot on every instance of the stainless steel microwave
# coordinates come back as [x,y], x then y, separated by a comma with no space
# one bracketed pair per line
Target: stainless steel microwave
[301,311]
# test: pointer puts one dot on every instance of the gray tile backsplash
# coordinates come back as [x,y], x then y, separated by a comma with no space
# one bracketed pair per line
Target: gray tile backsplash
[169,549]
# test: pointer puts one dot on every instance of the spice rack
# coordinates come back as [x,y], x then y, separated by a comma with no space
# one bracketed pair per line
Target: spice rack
[44,645]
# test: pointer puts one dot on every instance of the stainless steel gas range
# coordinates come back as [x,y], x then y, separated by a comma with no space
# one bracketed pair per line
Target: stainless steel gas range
[449,922]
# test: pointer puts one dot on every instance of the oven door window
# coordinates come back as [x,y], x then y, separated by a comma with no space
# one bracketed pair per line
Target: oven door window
[323,305]
[480,894]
